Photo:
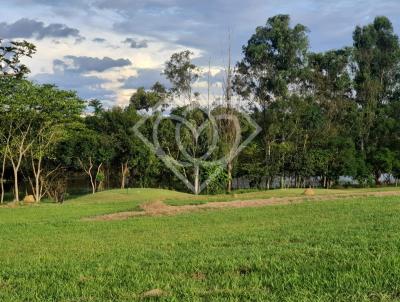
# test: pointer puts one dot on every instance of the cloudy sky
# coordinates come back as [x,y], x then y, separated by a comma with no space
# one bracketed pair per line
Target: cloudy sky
[106,48]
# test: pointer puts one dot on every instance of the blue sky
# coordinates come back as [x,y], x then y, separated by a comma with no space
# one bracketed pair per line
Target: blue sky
[105,49]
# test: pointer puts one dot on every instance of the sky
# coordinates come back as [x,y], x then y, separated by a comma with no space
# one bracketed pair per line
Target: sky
[106,49]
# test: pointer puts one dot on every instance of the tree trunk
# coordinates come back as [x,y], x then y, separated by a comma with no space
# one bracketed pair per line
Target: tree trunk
[16,188]
[196,179]
[16,165]
[92,183]
[124,173]
[2,189]
[3,168]
[38,193]
[122,177]
[100,186]
[229,170]
[377,181]
[37,170]
[88,171]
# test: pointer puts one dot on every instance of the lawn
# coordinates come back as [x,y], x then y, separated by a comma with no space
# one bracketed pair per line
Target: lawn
[342,250]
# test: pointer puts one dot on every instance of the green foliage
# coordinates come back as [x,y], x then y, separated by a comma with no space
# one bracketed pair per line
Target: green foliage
[377,57]
[11,53]
[323,114]
[273,58]
[144,100]
[96,105]
[218,178]
[100,176]
[35,118]
[182,73]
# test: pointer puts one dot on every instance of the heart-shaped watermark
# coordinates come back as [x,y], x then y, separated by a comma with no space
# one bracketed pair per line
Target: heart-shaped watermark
[203,160]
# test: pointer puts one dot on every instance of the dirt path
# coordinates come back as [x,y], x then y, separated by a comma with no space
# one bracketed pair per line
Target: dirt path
[159,208]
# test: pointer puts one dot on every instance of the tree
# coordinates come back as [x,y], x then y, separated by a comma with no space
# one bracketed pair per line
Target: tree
[377,59]
[331,88]
[96,105]
[144,100]
[35,117]
[16,109]
[117,124]
[5,137]
[11,53]
[226,126]
[182,74]
[183,143]
[92,150]
[55,111]
[274,60]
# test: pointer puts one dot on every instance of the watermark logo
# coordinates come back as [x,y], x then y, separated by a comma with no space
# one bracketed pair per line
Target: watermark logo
[206,155]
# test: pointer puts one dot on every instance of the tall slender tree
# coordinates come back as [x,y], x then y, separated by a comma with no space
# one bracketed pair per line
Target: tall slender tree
[272,68]
[377,59]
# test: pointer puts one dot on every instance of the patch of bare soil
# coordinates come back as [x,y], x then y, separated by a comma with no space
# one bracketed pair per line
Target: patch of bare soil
[159,208]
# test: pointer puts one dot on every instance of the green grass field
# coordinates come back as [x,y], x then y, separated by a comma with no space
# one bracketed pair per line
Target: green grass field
[342,250]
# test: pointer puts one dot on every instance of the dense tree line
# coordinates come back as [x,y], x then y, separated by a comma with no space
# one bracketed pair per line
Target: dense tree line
[322,116]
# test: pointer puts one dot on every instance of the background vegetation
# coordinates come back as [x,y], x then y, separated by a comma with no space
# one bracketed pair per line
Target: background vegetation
[323,115]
